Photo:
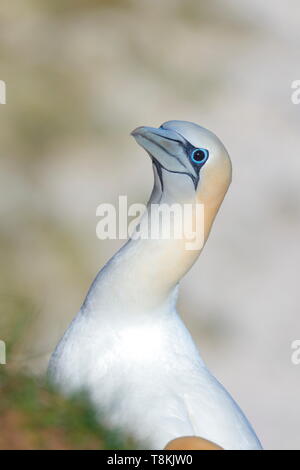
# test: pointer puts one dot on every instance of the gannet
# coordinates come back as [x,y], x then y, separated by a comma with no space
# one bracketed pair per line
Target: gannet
[128,346]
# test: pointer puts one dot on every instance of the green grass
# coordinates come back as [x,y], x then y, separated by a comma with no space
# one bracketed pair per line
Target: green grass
[33,415]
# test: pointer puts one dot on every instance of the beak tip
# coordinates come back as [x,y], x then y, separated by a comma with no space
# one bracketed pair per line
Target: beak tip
[136,131]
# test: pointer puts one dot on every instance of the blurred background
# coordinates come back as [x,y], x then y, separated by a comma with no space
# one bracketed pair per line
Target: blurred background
[80,75]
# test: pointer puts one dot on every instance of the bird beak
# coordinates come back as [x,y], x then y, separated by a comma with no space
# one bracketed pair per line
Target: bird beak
[165,146]
[157,135]
[151,139]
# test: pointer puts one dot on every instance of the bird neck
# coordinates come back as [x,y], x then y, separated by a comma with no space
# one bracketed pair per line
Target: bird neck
[143,275]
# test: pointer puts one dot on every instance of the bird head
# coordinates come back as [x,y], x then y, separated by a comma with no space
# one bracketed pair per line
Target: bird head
[188,159]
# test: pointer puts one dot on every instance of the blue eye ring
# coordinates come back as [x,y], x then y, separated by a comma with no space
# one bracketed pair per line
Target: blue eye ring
[200,156]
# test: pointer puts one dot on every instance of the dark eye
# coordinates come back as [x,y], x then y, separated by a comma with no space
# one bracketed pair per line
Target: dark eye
[199,155]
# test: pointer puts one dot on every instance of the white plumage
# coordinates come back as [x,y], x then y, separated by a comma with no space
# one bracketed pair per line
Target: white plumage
[128,346]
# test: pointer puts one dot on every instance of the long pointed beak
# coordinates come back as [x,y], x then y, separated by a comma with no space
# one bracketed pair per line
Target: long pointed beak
[158,142]
[166,146]
[156,135]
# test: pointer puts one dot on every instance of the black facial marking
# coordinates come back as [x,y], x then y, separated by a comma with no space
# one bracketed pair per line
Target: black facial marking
[197,161]
[197,165]
[159,172]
